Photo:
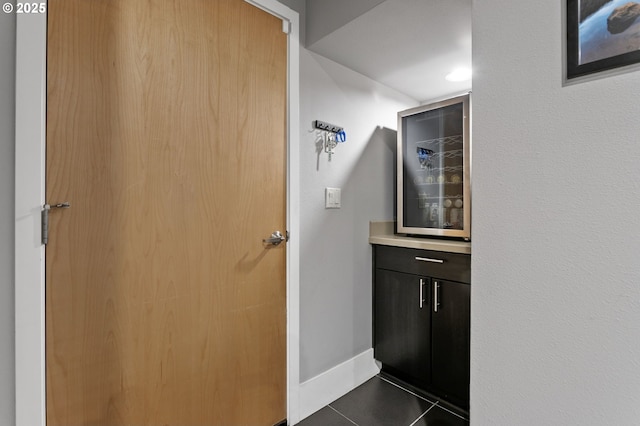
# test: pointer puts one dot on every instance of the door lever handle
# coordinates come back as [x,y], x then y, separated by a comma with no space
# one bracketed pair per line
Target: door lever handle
[44,219]
[64,205]
[276,238]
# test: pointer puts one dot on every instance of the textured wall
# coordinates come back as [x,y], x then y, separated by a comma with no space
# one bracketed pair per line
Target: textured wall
[556,194]
[335,257]
[7,133]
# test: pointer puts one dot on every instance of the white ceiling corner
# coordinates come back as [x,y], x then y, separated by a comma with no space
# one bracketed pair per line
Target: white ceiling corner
[408,45]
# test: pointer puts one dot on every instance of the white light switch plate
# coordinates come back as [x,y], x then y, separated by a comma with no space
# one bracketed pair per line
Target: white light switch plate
[332,198]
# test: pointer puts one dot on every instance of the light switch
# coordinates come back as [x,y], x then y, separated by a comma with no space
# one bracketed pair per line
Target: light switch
[332,198]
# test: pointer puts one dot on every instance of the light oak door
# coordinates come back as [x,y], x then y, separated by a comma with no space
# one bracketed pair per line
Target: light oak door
[166,131]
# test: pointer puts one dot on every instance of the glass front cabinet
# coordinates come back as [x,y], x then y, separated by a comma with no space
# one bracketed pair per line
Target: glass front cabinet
[434,169]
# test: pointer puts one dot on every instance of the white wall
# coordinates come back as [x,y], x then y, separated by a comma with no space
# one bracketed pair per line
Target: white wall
[335,282]
[7,150]
[555,305]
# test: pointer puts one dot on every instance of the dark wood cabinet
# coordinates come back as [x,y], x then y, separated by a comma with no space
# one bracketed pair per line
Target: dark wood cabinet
[402,312]
[450,324]
[422,319]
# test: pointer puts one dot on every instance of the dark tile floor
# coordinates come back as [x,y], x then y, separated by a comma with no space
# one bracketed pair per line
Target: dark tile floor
[380,402]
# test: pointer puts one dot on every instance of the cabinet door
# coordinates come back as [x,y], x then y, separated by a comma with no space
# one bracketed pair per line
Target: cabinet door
[402,316]
[450,343]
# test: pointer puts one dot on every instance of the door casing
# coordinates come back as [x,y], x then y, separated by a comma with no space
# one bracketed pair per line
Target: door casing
[31,33]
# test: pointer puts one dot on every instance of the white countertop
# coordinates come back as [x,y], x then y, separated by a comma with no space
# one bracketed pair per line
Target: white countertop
[382,233]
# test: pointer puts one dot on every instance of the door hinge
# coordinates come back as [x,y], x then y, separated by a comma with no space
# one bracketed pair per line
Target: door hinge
[44,219]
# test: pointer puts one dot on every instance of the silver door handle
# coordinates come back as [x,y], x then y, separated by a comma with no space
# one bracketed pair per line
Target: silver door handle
[64,205]
[421,292]
[436,303]
[44,219]
[276,238]
[426,259]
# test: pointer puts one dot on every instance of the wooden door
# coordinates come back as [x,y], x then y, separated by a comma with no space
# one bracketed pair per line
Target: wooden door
[166,132]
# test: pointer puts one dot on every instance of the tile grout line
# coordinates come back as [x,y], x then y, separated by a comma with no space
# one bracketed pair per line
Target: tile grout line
[342,415]
[424,399]
[449,411]
[407,390]
[423,414]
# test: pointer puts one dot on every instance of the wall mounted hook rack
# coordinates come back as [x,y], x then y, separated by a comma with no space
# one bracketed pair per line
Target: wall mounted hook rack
[327,127]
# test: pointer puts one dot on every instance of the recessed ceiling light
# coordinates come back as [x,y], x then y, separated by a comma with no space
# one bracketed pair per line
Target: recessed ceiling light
[459,74]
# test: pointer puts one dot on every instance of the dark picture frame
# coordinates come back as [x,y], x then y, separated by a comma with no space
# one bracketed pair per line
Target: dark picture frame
[575,68]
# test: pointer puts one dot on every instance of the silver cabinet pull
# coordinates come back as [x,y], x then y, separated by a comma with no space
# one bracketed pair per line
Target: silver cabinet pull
[436,303]
[275,239]
[421,292]
[426,259]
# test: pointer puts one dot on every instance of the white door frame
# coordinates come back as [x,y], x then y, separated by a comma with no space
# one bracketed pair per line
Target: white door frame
[31,42]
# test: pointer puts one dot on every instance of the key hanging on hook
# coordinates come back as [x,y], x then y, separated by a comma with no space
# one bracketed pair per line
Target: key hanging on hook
[330,144]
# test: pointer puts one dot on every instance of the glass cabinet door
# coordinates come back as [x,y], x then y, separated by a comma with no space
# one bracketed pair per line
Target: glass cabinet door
[434,181]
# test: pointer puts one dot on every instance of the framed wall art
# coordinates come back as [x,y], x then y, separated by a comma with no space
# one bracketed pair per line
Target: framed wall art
[601,35]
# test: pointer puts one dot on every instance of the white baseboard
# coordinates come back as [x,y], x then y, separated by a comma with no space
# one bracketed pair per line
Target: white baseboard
[326,387]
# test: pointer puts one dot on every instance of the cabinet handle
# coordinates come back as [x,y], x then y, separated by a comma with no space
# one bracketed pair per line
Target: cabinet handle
[426,259]
[436,303]
[421,292]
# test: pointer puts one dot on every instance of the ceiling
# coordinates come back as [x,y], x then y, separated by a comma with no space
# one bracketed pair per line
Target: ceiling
[409,45]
